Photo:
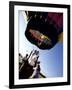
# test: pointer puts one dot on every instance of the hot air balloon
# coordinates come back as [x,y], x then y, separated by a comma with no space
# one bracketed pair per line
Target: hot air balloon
[44,29]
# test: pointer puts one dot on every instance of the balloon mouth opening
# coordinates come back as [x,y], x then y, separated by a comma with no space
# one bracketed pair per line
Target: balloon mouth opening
[40,38]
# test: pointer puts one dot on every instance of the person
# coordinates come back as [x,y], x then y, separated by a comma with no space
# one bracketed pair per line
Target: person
[36,72]
[23,61]
[20,60]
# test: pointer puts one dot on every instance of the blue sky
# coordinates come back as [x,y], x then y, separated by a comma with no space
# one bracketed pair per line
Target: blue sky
[51,61]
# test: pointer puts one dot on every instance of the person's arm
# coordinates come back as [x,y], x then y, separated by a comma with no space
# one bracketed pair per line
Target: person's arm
[34,72]
[21,67]
[30,54]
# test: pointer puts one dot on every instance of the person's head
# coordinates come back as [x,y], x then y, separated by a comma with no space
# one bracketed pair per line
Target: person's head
[37,57]
[26,55]
[19,54]
[38,62]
